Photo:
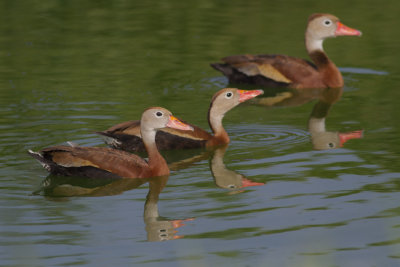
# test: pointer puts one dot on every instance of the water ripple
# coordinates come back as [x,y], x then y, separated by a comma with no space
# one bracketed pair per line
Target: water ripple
[275,137]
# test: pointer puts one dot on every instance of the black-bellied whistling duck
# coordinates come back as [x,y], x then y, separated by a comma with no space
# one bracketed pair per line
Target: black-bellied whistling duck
[286,71]
[126,135]
[108,162]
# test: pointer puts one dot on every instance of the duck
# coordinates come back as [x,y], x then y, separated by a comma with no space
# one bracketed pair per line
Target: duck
[282,71]
[112,163]
[127,136]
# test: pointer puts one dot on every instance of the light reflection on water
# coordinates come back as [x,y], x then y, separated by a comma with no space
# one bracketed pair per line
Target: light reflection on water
[267,136]
[363,71]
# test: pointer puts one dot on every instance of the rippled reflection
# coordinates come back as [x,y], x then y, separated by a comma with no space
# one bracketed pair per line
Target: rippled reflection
[69,186]
[182,159]
[157,227]
[321,138]
[224,177]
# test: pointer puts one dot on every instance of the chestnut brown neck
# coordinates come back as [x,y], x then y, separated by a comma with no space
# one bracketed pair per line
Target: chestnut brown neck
[330,74]
[157,164]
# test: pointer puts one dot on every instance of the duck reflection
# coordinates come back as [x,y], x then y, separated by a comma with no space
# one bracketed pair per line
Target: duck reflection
[56,186]
[292,97]
[157,227]
[178,161]
[224,177]
[321,138]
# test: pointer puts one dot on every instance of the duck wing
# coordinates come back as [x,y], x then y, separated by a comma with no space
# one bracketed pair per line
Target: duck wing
[64,160]
[269,70]
[126,136]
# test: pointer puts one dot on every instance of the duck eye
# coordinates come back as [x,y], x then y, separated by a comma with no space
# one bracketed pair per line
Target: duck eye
[231,186]
[331,145]
[327,22]
[228,95]
[159,114]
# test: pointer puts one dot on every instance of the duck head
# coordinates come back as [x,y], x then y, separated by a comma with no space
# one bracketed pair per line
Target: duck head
[321,26]
[228,98]
[155,118]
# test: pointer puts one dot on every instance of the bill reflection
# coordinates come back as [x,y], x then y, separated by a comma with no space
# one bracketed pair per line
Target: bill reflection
[224,177]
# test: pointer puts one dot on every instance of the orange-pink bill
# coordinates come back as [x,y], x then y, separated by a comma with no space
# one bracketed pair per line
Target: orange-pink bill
[344,137]
[177,124]
[249,94]
[246,182]
[342,29]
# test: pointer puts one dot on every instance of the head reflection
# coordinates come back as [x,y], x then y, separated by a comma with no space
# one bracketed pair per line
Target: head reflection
[321,138]
[224,177]
[157,228]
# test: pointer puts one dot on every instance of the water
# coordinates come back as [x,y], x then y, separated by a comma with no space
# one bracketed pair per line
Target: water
[71,68]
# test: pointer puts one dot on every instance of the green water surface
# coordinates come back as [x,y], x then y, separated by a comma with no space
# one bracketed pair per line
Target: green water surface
[70,68]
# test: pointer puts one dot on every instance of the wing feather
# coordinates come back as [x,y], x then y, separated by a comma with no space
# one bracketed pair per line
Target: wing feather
[116,161]
[279,68]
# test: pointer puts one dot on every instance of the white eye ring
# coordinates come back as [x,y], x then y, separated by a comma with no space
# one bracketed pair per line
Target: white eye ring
[228,95]
[158,114]
[327,22]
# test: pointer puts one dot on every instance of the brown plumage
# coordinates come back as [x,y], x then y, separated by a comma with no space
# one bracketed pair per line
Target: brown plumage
[108,162]
[126,135]
[285,71]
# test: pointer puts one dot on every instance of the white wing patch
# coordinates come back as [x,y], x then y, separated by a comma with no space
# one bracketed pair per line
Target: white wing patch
[72,144]
[111,141]
[45,165]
